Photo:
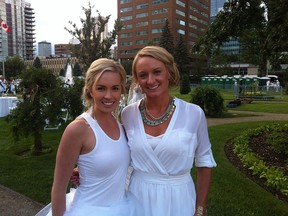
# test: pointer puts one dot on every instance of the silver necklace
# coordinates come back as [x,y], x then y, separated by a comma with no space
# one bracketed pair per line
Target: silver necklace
[156,121]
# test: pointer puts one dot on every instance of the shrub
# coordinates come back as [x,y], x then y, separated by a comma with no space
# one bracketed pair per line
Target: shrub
[209,99]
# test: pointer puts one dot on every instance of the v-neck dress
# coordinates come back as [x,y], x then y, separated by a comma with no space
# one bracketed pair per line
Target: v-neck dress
[161,179]
[103,174]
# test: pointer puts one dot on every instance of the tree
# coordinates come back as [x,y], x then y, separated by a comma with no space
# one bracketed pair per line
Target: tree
[258,25]
[92,45]
[185,84]
[29,116]
[166,40]
[37,63]
[77,70]
[14,66]
[182,56]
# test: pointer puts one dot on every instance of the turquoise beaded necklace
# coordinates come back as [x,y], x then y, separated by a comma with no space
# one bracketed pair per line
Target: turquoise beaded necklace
[156,121]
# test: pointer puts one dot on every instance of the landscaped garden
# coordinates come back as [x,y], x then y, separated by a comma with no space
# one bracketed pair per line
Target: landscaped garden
[233,189]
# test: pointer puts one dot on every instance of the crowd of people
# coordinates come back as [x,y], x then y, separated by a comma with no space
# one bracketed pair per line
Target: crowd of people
[7,87]
[159,140]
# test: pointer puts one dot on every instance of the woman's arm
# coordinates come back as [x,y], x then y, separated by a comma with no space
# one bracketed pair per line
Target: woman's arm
[69,149]
[202,189]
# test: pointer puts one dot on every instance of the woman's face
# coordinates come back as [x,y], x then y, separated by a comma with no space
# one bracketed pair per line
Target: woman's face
[106,92]
[152,76]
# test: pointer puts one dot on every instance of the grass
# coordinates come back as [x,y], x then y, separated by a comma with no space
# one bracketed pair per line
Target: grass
[232,193]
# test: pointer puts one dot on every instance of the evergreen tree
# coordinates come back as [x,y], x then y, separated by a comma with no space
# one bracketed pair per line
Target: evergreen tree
[28,119]
[182,56]
[77,70]
[166,40]
[92,45]
[37,63]
[185,84]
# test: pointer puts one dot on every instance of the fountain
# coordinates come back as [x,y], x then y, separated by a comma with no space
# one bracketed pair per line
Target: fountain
[68,75]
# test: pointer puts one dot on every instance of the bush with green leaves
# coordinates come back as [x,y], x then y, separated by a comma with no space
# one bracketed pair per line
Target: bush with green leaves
[209,99]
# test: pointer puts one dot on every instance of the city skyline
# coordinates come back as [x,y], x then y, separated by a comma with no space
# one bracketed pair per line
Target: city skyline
[52,18]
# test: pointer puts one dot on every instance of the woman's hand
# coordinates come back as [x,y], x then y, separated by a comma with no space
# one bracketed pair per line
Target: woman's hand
[75,177]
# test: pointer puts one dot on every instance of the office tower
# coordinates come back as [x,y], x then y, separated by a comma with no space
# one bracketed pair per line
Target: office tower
[143,22]
[216,5]
[19,16]
[44,49]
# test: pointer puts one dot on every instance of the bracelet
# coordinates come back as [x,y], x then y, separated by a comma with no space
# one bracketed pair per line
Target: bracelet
[199,211]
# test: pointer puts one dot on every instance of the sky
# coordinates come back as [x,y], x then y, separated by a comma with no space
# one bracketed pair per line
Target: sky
[51,17]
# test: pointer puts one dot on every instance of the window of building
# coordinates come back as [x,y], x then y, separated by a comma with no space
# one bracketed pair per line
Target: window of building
[141,6]
[126,18]
[127,9]
[141,33]
[180,3]
[181,22]
[125,1]
[154,31]
[201,4]
[141,15]
[159,2]
[141,42]
[160,11]
[180,12]
[157,21]
[126,35]
[129,26]
[142,24]
[126,43]
[180,31]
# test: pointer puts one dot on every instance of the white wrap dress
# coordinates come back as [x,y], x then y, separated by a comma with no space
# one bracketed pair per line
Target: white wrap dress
[161,179]
[103,174]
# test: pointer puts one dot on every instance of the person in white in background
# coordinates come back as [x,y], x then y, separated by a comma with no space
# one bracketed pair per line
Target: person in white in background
[135,94]
[12,87]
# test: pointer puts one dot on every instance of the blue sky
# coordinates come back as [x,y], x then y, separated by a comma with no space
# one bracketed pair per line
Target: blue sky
[52,16]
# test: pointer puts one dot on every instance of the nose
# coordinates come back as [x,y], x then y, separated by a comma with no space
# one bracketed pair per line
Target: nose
[108,94]
[150,78]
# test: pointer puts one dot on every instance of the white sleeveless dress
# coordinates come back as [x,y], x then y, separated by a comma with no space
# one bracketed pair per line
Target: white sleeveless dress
[103,174]
[161,179]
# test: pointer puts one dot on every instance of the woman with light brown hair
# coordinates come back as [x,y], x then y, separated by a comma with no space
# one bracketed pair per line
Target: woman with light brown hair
[167,137]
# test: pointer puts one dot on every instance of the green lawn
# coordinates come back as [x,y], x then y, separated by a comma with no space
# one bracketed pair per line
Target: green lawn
[232,193]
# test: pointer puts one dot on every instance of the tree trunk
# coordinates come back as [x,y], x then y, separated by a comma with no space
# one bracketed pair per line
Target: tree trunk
[37,142]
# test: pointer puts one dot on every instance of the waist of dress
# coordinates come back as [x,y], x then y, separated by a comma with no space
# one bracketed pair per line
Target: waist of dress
[162,179]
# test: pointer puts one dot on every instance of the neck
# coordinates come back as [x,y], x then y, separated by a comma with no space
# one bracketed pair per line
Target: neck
[157,102]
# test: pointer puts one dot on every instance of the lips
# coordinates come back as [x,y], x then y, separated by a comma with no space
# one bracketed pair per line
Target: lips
[152,87]
[108,103]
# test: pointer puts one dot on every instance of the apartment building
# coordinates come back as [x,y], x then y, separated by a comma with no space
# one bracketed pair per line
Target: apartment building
[19,16]
[144,20]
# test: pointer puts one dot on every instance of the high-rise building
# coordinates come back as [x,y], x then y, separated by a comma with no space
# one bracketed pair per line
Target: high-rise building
[144,20]
[216,6]
[19,16]
[44,49]
[232,46]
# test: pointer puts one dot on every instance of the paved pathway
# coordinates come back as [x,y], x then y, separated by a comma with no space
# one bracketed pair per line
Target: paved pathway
[15,204]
